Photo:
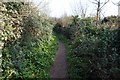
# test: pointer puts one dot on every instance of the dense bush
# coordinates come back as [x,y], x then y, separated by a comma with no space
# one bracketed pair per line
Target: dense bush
[71,30]
[9,27]
[27,42]
[94,55]
[93,50]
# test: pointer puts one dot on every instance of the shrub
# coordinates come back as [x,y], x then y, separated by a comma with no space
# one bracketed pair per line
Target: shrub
[29,44]
[94,55]
[93,50]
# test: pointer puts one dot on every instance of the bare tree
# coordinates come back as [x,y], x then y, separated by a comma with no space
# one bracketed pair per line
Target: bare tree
[79,9]
[83,11]
[118,20]
[117,4]
[41,6]
[100,6]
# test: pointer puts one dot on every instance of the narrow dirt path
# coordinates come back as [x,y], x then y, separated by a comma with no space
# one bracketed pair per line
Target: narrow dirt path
[59,68]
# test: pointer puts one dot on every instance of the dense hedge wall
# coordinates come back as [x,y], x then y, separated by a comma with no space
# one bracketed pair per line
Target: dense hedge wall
[27,43]
[93,55]
[92,50]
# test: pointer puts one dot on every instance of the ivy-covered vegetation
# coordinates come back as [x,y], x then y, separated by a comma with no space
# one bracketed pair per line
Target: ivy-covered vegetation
[92,49]
[27,44]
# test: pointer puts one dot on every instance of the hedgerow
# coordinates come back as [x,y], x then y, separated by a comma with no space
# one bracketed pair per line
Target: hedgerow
[94,55]
[92,50]
[27,43]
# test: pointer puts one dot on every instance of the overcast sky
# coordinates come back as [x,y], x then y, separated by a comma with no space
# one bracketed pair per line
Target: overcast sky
[60,7]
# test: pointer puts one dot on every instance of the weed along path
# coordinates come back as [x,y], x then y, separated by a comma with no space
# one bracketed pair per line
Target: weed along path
[59,68]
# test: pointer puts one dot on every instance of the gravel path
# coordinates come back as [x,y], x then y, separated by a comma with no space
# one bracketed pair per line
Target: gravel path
[59,68]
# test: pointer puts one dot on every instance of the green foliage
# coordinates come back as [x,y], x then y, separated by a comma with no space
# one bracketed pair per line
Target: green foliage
[27,42]
[8,29]
[93,50]
[93,55]
[31,60]
[71,31]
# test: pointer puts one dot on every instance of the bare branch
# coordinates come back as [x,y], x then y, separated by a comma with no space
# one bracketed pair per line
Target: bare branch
[100,5]
[104,4]
[93,2]
[79,9]
[97,0]
[117,4]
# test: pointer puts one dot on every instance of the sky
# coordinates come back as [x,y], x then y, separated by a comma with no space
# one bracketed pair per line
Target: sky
[58,8]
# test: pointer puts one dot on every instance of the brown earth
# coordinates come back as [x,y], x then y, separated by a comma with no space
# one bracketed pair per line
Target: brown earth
[59,68]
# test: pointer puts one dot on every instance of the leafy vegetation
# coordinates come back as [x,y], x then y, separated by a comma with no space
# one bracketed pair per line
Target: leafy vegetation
[93,52]
[27,43]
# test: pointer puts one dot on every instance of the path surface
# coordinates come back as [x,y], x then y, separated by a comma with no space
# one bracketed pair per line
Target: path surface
[59,68]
